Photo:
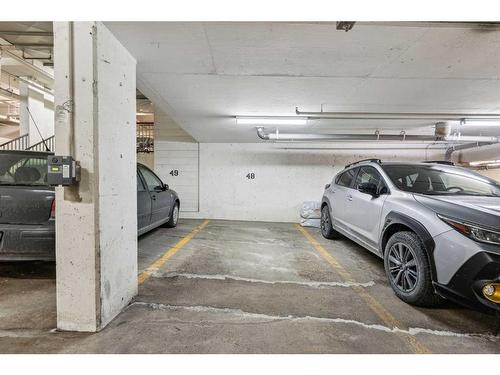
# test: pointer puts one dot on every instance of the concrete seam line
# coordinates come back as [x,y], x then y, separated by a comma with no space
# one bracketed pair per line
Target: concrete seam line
[219,277]
[373,304]
[156,265]
[336,320]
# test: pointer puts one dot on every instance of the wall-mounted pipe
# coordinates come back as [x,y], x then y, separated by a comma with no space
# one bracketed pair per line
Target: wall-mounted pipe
[488,152]
[36,71]
[399,115]
[464,146]
[30,82]
[26,33]
[9,93]
[277,136]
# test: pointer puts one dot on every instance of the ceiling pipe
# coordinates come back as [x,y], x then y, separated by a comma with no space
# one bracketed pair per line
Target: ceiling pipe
[26,33]
[399,115]
[9,123]
[30,82]
[32,45]
[465,146]
[277,136]
[471,154]
[35,69]
[8,93]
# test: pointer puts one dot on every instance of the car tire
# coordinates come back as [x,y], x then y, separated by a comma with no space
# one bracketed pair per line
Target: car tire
[174,216]
[326,225]
[408,270]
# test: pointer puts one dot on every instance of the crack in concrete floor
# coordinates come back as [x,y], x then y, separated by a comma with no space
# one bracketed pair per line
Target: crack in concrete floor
[312,284]
[413,331]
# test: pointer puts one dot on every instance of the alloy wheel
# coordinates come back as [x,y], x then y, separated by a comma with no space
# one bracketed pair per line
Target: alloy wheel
[325,221]
[175,214]
[403,268]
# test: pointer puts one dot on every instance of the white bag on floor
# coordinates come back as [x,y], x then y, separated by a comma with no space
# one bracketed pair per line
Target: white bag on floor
[310,214]
[310,210]
[315,223]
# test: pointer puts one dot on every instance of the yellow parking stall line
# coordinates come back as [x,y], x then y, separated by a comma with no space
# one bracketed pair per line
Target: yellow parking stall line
[415,345]
[156,265]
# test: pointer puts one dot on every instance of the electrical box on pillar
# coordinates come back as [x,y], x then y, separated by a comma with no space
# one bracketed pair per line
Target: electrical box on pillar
[62,171]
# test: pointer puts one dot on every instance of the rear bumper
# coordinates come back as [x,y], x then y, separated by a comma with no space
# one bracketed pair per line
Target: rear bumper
[27,242]
[465,287]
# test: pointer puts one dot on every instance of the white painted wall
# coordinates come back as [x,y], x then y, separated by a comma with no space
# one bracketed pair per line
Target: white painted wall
[176,160]
[41,106]
[284,178]
[148,159]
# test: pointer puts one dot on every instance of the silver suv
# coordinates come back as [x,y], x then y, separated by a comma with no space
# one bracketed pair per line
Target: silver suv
[436,226]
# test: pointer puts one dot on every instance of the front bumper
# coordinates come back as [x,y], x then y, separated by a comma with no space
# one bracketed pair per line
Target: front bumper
[465,287]
[27,242]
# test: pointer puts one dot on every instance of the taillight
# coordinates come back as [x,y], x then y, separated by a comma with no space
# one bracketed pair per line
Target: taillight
[53,210]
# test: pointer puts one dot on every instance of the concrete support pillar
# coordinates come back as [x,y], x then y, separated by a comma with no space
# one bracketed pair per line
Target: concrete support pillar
[96,221]
[41,106]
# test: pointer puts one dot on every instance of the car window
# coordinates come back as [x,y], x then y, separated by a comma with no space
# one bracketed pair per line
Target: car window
[369,174]
[17,168]
[440,180]
[140,184]
[346,178]
[151,180]
[451,182]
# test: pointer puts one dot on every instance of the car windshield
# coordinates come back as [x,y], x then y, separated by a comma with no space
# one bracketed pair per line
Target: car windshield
[440,180]
[20,169]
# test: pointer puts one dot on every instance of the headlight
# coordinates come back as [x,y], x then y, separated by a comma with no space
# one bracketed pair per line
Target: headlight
[473,231]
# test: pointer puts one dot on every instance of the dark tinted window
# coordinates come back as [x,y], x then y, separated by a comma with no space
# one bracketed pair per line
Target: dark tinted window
[369,174]
[18,168]
[440,180]
[346,178]
[152,181]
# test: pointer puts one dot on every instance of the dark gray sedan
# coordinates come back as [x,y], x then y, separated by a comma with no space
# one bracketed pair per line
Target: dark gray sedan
[27,206]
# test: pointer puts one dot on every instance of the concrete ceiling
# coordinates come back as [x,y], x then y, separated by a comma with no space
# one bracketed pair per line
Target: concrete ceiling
[24,48]
[204,74]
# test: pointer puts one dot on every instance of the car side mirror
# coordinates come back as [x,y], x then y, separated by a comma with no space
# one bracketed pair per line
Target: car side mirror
[162,187]
[369,188]
[327,186]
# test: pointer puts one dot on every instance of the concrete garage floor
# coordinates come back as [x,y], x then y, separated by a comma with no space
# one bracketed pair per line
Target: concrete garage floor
[245,287]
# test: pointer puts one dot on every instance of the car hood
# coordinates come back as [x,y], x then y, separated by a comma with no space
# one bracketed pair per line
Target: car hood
[484,211]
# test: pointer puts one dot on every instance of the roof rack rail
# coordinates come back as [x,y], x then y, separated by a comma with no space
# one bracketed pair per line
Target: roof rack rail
[378,161]
[444,162]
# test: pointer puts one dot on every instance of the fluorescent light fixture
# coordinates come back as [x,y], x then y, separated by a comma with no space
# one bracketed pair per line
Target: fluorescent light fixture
[479,123]
[271,120]
[484,162]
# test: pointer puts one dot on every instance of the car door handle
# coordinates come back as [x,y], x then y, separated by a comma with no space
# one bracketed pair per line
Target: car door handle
[349,197]
[154,197]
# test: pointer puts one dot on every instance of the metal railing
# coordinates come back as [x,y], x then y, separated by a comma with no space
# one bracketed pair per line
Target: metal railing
[19,143]
[43,145]
[145,137]
[23,143]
